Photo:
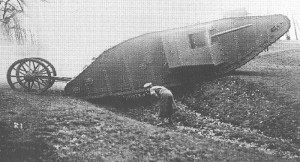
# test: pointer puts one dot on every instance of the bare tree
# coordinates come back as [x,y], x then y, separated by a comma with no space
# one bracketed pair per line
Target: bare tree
[10,23]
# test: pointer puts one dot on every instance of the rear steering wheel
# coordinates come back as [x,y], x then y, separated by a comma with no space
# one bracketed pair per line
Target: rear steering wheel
[29,75]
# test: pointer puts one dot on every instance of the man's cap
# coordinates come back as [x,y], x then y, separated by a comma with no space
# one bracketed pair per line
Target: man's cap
[147,85]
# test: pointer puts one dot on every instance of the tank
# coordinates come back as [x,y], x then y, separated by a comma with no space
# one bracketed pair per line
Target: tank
[172,57]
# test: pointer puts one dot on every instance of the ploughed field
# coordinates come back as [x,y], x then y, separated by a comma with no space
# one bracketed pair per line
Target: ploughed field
[251,114]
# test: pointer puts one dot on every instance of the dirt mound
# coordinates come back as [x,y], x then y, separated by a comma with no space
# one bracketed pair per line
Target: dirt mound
[232,110]
[250,105]
[62,128]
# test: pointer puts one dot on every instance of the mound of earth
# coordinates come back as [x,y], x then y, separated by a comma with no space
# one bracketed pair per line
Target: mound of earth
[231,110]
[54,127]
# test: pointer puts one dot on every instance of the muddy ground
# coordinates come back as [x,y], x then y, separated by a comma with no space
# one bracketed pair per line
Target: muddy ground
[251,114]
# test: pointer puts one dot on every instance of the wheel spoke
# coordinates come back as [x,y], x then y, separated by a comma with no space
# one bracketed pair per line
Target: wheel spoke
[21,72]
[38,67]
[35,85]
[44,79]
[21,80]
[45,82]
[42,76]
[34,67]
[24,84]
[17,76]
[30,68]
[31,85]
[42,83]
[26,65]
[43,70]
[15,83]
[38,83]
[29,64]
[24,69]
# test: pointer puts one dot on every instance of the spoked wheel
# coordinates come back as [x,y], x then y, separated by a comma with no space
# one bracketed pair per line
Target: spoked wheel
[30,75]
[50,67]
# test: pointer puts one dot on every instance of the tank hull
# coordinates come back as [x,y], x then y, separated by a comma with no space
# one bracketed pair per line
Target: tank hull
[167,57]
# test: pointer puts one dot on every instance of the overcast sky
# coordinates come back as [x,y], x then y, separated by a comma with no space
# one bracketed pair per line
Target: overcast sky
[71,32]
[107,22]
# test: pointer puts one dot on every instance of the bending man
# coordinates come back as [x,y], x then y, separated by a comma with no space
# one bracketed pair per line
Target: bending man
[166,101]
